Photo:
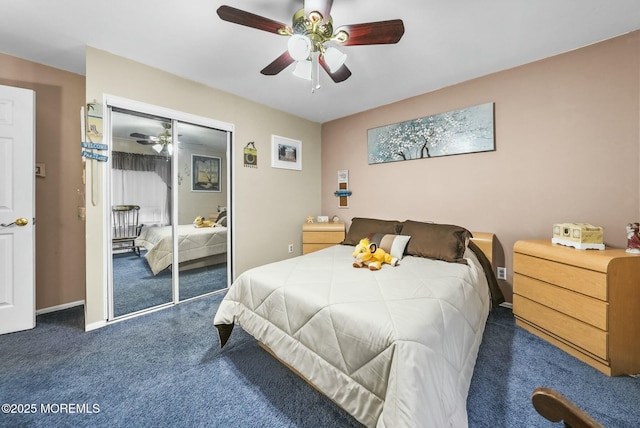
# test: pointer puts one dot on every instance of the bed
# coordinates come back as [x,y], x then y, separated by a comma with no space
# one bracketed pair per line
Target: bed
[394,347]
[197,246]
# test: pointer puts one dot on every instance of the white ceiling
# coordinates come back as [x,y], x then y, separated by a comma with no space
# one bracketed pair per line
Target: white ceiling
[191,136]
[445,42]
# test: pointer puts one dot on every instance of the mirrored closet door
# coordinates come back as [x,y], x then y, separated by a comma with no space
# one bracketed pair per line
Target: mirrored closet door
[168,196]
[202,211]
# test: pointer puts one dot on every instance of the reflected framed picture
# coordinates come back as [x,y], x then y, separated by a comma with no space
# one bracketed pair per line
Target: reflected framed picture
[205,173]
[286,153]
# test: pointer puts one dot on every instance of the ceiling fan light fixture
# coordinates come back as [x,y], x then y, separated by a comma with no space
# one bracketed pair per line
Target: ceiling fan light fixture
[303,69]
[163,148]
[299,47]
[334,58]
[312,27]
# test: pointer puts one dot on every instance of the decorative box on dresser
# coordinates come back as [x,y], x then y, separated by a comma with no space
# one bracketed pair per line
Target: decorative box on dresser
[586,302]
[316,236]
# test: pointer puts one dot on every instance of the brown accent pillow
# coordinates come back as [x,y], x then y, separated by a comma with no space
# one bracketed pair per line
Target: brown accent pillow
[362,227]
[436,241]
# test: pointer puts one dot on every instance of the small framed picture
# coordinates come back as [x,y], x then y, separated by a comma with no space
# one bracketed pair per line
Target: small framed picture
[286,153]
[205,173]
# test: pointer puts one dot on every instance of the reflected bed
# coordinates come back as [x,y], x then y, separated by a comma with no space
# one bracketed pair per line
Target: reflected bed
[197,247]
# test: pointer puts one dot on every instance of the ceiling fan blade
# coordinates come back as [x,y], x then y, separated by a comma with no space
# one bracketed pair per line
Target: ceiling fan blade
[145,142]
[340,75]
[322,6]
[373,33]
[279,64]
[139,135]
[248,19]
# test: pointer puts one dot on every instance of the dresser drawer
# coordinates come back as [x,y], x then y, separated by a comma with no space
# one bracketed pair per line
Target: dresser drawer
[587,309]
[583,281]
[578,333]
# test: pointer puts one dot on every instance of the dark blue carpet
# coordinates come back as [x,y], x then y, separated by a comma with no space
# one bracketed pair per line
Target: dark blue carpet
[135,288]
[166,369]
[162,369]
[513,362]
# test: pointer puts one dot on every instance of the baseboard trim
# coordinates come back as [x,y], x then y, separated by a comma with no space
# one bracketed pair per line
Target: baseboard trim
[507,305]
[59,307]
[95,325]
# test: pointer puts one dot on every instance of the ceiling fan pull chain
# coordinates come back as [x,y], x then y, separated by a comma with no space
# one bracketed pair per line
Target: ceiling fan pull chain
[315,71]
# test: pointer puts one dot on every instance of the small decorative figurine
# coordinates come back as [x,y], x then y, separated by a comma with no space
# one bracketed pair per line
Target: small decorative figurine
[310,219]
[633,238]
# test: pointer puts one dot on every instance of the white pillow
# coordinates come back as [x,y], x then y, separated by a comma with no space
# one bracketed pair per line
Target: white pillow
[392,244]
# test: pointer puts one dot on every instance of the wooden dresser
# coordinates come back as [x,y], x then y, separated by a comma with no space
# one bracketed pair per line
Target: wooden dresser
[586,302]
[316,236]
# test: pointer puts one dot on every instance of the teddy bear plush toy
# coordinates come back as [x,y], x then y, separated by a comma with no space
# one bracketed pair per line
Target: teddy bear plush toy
[201,222]
[368,254]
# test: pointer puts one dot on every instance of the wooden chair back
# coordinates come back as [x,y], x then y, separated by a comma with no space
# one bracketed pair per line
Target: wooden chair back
[555,407]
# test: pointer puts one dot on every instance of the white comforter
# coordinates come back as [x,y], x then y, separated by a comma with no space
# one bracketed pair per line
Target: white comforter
[193,243]
[395,348]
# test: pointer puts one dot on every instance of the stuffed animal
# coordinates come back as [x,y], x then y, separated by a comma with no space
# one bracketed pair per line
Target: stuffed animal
[368,254]
[201,222]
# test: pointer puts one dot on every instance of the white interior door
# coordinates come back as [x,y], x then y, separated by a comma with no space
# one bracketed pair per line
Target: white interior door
[17,208]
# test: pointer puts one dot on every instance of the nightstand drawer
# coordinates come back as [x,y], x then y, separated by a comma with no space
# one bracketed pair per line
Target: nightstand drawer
[584,308]
[310,248]
[325,237]
[583,281]
[316,236]
[582,335]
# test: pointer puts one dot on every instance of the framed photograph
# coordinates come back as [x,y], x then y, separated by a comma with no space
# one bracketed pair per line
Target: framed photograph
[205,173]
[286,153]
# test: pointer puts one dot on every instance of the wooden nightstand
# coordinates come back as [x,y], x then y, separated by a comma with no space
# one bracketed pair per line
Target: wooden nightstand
[316,236]
[586,302]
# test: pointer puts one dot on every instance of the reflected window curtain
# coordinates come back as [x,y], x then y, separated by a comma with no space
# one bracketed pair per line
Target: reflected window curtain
[143,180]
[142,188]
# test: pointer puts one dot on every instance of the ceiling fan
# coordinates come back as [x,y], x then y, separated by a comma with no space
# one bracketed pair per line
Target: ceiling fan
[312,36]
[160,143]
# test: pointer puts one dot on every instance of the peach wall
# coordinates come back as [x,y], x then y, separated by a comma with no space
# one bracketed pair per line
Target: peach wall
[567,150]
[60,245]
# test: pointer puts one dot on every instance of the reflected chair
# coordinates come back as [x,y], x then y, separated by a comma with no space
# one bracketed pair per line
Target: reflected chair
[555,407]
[125,227]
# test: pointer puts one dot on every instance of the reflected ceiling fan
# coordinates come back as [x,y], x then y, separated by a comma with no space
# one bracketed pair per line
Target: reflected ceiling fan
[312,39]
[161,143]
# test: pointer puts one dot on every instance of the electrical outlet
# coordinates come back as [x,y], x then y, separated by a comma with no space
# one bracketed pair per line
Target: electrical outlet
[291,248]
[502,273]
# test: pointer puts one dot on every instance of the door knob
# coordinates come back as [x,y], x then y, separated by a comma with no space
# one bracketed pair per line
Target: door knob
[18,222]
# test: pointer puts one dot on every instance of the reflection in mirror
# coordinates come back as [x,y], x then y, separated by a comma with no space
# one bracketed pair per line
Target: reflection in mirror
[142,149]
[202,211]
[140,177]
